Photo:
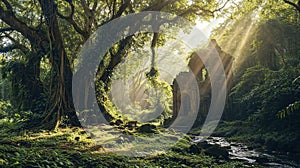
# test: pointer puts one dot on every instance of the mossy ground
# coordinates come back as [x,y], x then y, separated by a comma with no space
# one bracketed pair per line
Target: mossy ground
[72,147]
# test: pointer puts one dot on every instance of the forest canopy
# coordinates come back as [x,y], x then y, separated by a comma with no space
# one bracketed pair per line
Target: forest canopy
[42,39]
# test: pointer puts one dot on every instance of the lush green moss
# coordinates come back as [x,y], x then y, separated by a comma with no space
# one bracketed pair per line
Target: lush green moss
[71,147]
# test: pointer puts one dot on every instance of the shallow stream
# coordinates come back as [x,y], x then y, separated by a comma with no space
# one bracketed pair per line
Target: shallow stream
[241,152]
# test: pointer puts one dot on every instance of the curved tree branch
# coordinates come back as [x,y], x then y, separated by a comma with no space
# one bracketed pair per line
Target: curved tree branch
[7,4]
[297,6]
[70,19]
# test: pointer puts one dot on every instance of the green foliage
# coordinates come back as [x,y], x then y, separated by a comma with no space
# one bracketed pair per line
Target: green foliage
[8,112]
[263,93]
[143,98]
[291,108]
[5,108]
[263,105]
[252,78]
[253,135]
[260,34]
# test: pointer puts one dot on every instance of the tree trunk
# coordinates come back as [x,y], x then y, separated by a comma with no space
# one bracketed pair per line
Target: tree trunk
[104,76]
[61,102]
[33,84]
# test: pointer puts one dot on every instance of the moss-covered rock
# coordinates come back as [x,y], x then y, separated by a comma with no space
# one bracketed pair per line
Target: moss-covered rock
[147,128]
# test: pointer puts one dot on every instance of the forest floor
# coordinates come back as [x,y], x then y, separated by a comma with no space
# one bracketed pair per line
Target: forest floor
[72,147]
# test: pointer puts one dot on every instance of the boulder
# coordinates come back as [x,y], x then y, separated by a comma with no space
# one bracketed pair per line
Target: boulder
[147,128]
[217,152]
[119,122]
[203,145]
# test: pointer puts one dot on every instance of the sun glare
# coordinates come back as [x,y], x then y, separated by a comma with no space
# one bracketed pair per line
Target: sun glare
[207,27]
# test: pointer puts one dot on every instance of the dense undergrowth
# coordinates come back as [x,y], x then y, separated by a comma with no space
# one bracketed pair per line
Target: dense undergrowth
[243,131]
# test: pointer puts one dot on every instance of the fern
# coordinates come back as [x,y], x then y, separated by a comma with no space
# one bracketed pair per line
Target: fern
[291,108]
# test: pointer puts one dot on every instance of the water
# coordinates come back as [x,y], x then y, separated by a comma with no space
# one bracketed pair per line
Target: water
[241,152]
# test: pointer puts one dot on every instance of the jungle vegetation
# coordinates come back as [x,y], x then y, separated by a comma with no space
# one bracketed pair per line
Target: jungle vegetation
[40,44]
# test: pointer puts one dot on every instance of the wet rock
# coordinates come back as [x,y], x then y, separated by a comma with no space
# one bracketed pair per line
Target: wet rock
[121,127]
[119,122]
[120,140]
[97,148]
[235,151]
[262,160]
[147,128]
[82,132]
[77,138]
[217,151]
[250,148]
[131,125]
[203,145]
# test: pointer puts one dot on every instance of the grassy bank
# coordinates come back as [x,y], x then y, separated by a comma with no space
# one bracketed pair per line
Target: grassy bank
[257,137]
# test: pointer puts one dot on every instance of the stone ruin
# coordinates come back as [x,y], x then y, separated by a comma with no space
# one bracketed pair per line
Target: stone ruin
[197,67]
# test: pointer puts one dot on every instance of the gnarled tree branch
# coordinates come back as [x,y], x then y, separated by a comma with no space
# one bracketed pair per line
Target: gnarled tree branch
[9,18]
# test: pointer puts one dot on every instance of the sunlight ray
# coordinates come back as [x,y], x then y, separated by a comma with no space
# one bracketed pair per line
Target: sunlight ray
[245,38]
